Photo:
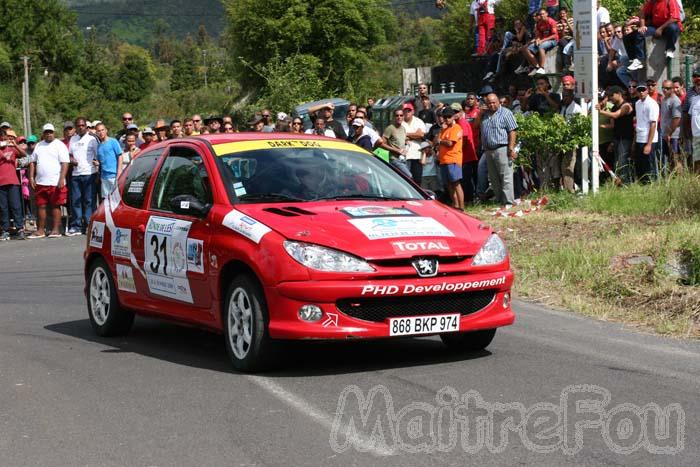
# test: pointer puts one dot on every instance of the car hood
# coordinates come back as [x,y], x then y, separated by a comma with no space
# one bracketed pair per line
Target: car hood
[375,230]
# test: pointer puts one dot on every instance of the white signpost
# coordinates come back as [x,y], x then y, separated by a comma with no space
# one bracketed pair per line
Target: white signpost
[586,69]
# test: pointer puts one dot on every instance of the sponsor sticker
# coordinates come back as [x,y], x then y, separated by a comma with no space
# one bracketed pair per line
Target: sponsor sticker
[166,257]
[245,225]
[406,289]
[195,255]
[433,246]
[121,243]
[239,189]
[377,211]
[125,278]
[395,227]
[136,187]
[97,234]
[230,148]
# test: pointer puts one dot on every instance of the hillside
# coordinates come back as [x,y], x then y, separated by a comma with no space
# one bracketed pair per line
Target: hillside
[135,21]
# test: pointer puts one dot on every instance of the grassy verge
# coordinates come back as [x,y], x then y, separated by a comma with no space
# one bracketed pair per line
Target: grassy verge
[579,254]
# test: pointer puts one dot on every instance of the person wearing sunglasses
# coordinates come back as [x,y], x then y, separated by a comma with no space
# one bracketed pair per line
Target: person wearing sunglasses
[297,126]
[197,121]
[127,119]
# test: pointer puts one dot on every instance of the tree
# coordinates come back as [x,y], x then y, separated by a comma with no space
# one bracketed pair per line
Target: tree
[185,74]
[44,29]
[341,33]
[135,77]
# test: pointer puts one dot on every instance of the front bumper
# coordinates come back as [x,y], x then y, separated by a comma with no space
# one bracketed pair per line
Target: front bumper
[285,299]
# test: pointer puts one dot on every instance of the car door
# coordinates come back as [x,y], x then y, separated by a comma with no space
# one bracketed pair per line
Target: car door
[129,216]
[176,234]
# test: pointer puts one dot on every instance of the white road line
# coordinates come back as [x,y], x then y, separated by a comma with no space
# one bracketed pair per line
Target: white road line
[315,414]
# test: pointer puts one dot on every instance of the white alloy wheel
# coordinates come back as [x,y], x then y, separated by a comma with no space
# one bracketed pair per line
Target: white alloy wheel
[240,310]
[100,300]
[107,316]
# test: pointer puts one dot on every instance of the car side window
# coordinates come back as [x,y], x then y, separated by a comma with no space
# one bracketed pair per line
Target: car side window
[138,177]
[182,173]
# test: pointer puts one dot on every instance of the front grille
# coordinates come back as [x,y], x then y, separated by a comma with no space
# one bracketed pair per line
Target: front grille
[379,309]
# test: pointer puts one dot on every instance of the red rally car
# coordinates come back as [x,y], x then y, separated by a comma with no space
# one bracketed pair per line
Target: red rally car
[268,237]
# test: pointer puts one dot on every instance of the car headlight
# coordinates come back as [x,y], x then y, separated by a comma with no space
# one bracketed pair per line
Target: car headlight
[493,252]
[325,259]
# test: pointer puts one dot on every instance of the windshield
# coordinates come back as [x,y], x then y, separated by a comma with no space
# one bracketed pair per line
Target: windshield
[310,174]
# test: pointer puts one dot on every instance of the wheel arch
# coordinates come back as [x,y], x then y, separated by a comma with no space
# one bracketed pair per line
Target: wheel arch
[230,270]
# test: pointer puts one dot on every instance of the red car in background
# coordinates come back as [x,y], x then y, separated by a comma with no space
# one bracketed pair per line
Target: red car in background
[266,237]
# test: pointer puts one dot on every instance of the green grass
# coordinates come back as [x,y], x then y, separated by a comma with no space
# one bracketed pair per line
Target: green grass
[674,196]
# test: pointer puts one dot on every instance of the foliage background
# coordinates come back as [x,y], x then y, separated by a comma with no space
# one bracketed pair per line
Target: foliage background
[100,57]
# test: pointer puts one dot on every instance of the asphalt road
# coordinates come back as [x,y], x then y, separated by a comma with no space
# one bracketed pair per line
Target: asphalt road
[165,395]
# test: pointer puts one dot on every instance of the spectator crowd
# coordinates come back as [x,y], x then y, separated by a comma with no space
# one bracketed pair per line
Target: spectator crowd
[464,152]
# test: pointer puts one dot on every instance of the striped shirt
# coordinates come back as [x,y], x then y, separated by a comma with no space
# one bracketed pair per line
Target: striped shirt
[496,126]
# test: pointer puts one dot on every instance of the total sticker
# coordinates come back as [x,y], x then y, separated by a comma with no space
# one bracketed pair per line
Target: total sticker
[125,278]
[436,246]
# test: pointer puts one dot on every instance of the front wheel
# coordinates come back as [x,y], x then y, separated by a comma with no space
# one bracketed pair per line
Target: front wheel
[245,325]
[468,341]
[107,317]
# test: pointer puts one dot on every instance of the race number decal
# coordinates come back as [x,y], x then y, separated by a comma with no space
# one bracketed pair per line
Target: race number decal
[165,262]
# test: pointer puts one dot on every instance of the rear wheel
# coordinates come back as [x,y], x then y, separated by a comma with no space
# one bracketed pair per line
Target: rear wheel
[245,325]
[107,317]
[468,341]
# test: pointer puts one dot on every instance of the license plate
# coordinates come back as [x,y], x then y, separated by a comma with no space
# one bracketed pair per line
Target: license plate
[431,324]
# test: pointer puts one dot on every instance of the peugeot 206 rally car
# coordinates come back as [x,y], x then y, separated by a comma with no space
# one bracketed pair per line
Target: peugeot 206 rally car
[267,237]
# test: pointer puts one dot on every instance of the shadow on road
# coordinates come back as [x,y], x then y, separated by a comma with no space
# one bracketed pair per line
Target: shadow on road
[202,349]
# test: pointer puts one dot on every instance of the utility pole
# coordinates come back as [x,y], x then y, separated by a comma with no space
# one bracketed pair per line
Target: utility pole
[25,98]
[204,56]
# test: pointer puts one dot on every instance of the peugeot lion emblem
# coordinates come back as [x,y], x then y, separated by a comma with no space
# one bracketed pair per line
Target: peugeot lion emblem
[426,267]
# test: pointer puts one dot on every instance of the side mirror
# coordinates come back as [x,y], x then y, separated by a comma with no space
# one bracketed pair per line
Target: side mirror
[188,205]
[430,193]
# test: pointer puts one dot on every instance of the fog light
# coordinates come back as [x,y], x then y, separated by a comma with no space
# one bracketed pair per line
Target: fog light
[310,313]
[506,300]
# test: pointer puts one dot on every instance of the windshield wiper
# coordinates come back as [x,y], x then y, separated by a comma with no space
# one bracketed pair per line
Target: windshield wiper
[363,196]
[268,197]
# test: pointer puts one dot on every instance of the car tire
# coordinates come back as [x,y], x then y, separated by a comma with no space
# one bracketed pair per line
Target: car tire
[107,316]
[468,341]
[245,325]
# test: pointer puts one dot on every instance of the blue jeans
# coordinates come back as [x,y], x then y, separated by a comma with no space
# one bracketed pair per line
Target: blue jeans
[546,45]
[670,33]
[11,200]
[401,165]
[507,40]
[622,72]
[107,186]
[81,194]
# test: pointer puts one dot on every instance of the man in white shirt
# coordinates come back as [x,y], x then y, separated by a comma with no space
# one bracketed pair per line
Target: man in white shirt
[47,175]
[694,113]
[415,129]
[83,150]
[320,129]
[647,137]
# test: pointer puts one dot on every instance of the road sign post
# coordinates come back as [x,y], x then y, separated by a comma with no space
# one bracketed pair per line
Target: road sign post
[586,66]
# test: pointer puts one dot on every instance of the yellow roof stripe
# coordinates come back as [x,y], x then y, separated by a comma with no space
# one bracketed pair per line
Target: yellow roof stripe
[240,146]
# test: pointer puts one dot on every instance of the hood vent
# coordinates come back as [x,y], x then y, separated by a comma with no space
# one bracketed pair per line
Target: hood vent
[289,211]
